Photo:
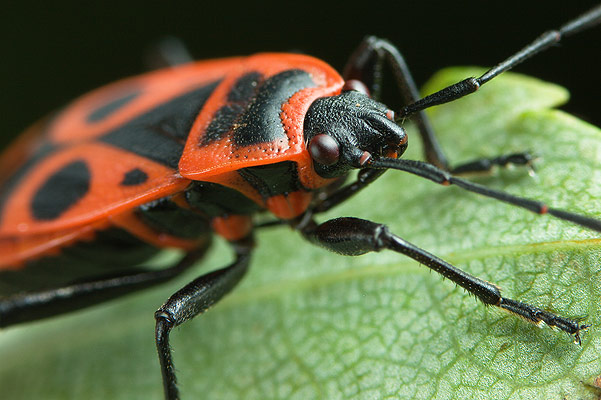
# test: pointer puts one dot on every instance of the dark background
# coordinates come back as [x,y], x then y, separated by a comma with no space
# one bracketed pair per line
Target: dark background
[53,53]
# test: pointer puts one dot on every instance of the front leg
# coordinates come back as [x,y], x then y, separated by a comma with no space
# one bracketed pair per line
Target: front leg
[354,236]
[193,299]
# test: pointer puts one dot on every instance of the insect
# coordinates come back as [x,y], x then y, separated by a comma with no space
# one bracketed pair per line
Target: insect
[167,159]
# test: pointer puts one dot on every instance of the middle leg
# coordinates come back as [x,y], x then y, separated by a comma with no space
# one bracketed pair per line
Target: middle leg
[354,236]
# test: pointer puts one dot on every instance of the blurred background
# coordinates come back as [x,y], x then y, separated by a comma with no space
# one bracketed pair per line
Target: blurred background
[55,52]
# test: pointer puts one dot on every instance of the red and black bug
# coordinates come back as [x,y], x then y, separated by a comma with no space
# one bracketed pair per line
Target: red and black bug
[166,159]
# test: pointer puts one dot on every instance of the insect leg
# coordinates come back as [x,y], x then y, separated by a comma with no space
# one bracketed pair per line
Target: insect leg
[470,85]
[170,51]
[364,178]
[367,176]
[353,236]
[26,307]
[193,299]
[366,65]
[444,178]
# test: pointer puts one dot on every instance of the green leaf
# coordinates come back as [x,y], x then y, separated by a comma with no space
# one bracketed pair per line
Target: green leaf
[309,324]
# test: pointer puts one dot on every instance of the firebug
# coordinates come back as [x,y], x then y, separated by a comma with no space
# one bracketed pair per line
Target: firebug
[171,157]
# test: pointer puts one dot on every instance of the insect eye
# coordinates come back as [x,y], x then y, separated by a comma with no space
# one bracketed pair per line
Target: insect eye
[324,149]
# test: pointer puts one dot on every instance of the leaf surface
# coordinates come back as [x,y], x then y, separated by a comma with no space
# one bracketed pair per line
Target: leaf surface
[308,324]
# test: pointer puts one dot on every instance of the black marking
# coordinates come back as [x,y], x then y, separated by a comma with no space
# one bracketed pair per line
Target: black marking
[222,122]
[160,133]
[273,179]
[253,114]
[61,191]
[134,177]
[178,118]
[15,179]
[164,216]
[261,122]
[111,107]
[215,200]
[239,97]
[245,88]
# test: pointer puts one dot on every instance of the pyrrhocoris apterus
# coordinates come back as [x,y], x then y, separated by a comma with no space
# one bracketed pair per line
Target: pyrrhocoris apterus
[166,159]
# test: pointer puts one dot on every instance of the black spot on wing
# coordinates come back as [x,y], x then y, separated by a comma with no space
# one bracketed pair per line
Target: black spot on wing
[261,122]
[61,191]
[160,133]
[109,108]
[15,179]
[134,177]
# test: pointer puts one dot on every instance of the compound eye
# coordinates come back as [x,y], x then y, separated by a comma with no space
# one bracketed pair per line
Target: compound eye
[324,149]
